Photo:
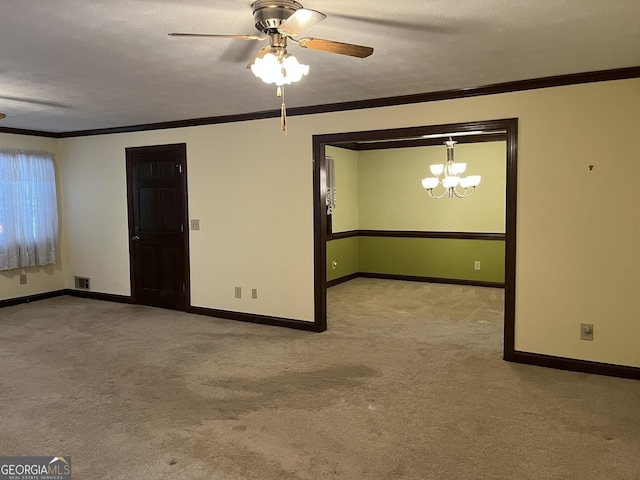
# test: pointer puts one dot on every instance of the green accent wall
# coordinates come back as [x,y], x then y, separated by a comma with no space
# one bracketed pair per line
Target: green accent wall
[433,257]
[391,196]
[382,190]
[421,257]
[344,251]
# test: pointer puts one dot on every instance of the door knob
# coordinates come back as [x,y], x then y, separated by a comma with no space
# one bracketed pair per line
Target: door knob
[135,238]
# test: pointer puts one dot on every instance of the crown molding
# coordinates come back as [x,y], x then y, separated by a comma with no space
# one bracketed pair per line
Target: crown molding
[495,89]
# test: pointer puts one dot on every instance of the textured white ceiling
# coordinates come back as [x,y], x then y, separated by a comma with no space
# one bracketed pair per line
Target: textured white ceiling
[68,65]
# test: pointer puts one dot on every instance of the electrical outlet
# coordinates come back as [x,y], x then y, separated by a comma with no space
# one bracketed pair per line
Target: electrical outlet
[254,293]
[586,331]
[23,278]
[195,224]
[476,265]
[238,292]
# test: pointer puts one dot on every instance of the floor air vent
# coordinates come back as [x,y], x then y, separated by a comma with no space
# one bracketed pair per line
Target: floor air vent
[82,283]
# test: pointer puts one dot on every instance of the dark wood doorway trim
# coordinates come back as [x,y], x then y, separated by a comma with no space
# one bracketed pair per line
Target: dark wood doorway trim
[182,149]
[508,126]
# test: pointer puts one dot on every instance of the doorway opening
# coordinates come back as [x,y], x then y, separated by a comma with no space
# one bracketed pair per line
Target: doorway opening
[504,130]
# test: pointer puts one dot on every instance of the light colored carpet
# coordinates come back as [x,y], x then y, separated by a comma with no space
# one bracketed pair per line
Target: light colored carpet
[407,383]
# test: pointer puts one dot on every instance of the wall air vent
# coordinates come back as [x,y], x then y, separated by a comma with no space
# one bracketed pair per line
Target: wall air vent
[82,283]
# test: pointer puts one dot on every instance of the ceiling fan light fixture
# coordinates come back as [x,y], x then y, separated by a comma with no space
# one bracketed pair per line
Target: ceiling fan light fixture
[271,69]
[279,21]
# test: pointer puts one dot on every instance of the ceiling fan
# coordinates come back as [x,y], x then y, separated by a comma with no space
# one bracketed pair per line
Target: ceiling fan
[280,21]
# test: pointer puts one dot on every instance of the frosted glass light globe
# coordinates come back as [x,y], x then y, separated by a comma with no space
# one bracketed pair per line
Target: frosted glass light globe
[270,70]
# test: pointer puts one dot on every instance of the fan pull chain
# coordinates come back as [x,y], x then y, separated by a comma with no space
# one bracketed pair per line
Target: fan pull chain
[283,110]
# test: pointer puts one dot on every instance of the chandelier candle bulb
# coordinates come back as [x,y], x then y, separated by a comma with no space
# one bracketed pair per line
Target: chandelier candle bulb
[429,183]
[458,168]
[450,182]
[436,169]
[474,180]
[465,182]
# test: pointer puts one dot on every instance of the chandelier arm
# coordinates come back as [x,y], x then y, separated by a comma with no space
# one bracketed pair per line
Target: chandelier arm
[464,194]
[437,197]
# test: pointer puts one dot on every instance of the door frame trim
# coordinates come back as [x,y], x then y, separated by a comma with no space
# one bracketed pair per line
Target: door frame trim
[509,125]
[182,147]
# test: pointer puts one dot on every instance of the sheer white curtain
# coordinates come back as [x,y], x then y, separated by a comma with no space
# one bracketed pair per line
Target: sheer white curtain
[28,209]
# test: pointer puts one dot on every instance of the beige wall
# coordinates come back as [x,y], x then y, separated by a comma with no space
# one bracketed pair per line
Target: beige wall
[254,207]
[251,188]
[39,279]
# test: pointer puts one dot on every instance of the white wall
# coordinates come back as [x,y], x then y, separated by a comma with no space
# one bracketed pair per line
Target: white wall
[39,279]
[251,188]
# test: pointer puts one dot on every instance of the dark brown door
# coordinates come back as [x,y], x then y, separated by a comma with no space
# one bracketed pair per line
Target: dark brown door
[157,196]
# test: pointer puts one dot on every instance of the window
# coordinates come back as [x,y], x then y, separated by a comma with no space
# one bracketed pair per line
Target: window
[28,209]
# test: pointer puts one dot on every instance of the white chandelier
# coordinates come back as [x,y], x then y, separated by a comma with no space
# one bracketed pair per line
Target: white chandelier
[451,180]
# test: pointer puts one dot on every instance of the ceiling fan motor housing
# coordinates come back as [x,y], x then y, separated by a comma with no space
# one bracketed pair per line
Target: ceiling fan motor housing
[270,14]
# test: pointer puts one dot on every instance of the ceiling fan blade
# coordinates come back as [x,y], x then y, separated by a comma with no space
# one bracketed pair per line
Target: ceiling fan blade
[213,35]
[300,21]
[261,53]
[237,52]
[430,27]
[336,47]
[34,101]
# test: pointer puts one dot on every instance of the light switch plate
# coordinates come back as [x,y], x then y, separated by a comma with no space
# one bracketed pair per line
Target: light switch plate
[195,224]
